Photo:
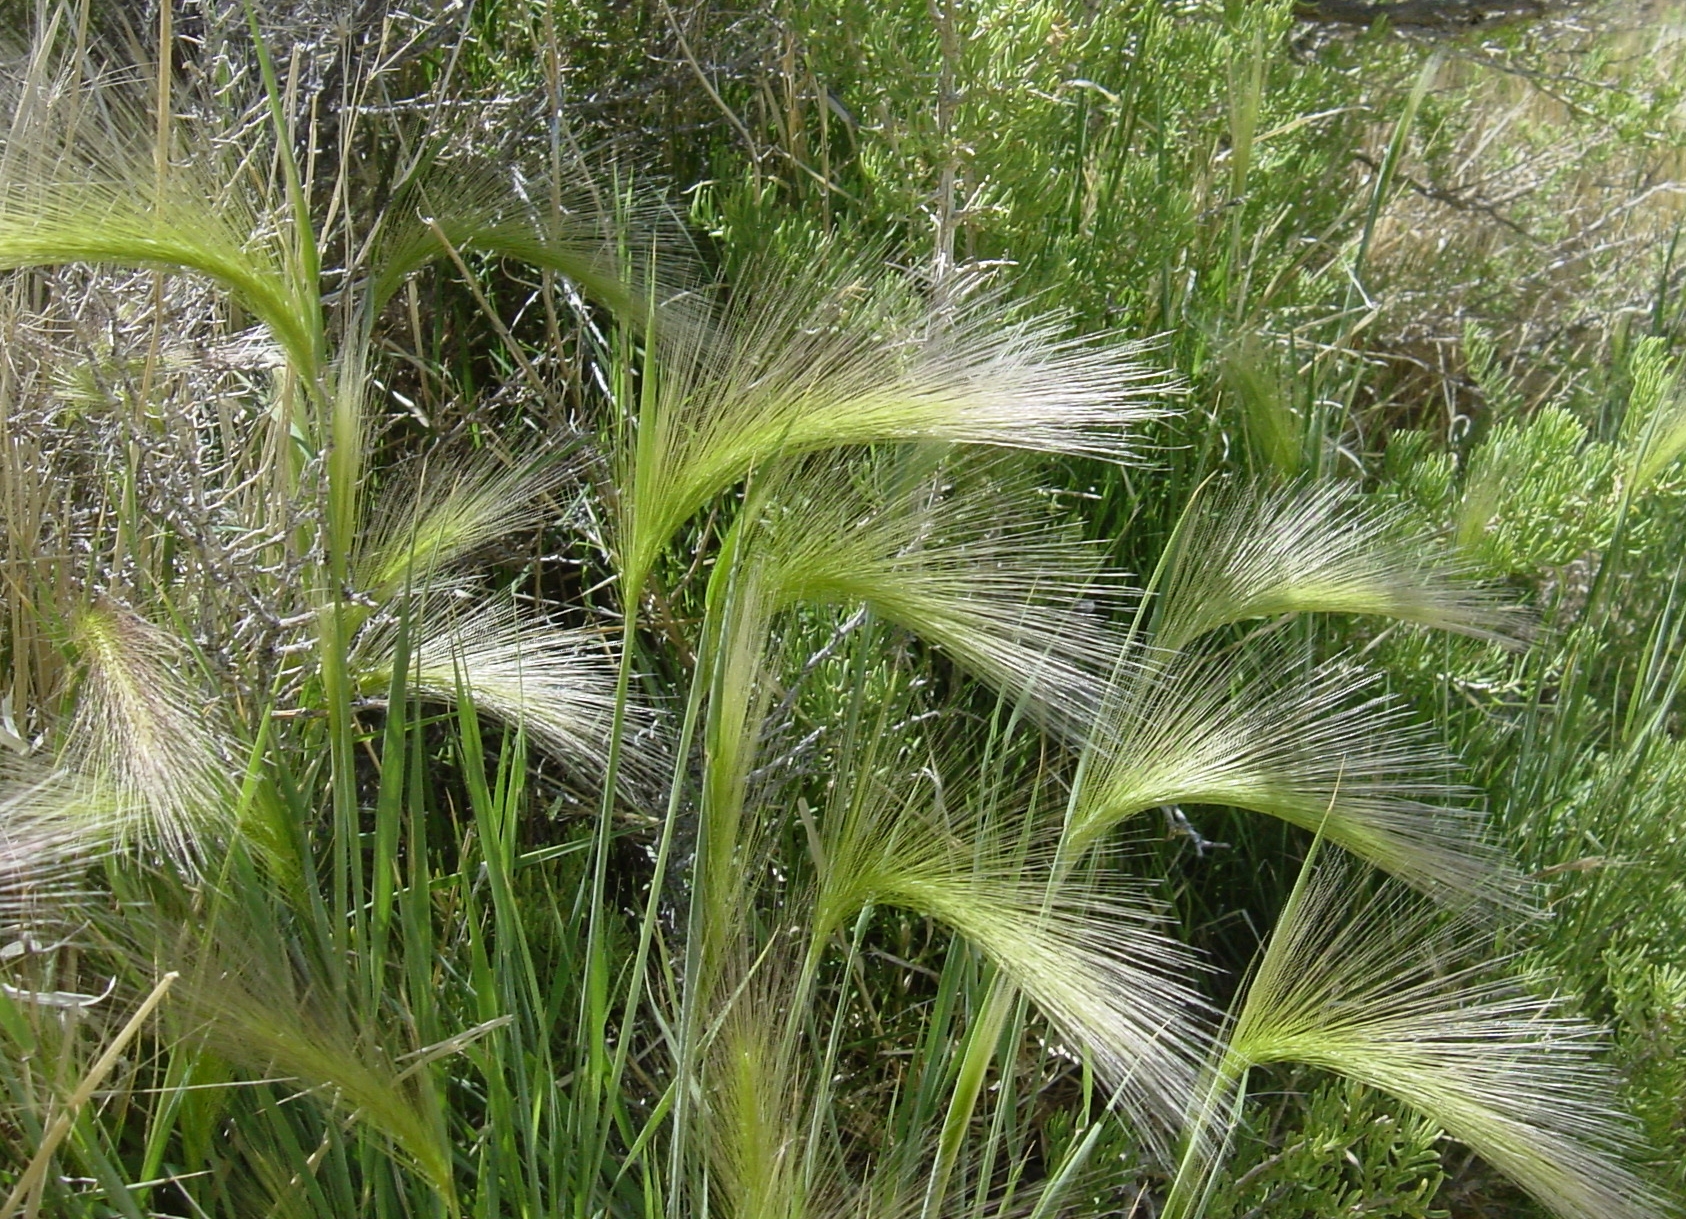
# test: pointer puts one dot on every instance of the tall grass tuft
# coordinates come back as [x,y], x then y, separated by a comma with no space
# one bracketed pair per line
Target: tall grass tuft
[675,781]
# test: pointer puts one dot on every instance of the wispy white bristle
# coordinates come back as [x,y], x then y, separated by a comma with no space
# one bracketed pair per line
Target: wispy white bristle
[1254,552]
[1374,984]
[1095,963]
[1316,747]
[963,559]
[845,357]
[143,742]
[556,685]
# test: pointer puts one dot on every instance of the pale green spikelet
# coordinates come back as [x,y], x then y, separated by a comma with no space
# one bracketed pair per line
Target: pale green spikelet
[449,509]
[79,183]
[1255,552]
[1655,424]
[144,742]
[838,358]
[555,684]
[631,257]
[752,1122]
[961,555]
[242,996]
[1093,961]
[1313,747]
[1372,983]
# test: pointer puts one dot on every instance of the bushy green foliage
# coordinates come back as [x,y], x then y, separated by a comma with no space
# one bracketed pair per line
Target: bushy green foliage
[1346,1151]
[1650,1008]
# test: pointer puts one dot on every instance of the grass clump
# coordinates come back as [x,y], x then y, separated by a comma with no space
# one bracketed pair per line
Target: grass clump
[708,773]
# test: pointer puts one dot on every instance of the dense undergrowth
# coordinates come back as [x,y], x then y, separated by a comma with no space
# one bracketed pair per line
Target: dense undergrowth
[840,610]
